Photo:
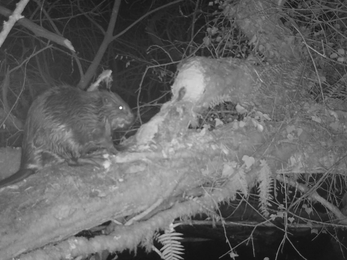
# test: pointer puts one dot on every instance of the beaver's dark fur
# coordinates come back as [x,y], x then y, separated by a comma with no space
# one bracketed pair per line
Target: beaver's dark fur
[65,124]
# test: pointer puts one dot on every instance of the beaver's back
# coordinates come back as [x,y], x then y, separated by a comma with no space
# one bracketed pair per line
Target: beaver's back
[66,123]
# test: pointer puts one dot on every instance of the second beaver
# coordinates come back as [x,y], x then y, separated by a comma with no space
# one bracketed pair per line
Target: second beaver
[65,124]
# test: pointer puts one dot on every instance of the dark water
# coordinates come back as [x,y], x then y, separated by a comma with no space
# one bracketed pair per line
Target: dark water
[321,248]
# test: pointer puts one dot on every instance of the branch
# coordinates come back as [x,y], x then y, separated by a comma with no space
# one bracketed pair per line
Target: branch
[314,195]
[107,39]
[16,15]
[39,31]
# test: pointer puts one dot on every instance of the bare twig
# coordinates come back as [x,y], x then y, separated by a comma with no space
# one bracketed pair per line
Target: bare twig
[314,195]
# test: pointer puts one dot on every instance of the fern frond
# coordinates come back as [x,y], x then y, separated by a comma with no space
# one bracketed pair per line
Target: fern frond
[172,248]
[264,188]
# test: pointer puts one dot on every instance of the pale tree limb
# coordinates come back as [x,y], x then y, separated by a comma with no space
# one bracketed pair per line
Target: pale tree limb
[16,15]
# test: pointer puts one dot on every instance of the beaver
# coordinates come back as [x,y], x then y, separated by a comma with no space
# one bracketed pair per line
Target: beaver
[67,124]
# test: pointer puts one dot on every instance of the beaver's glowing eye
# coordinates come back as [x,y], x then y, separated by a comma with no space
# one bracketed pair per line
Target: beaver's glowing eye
[121,108]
